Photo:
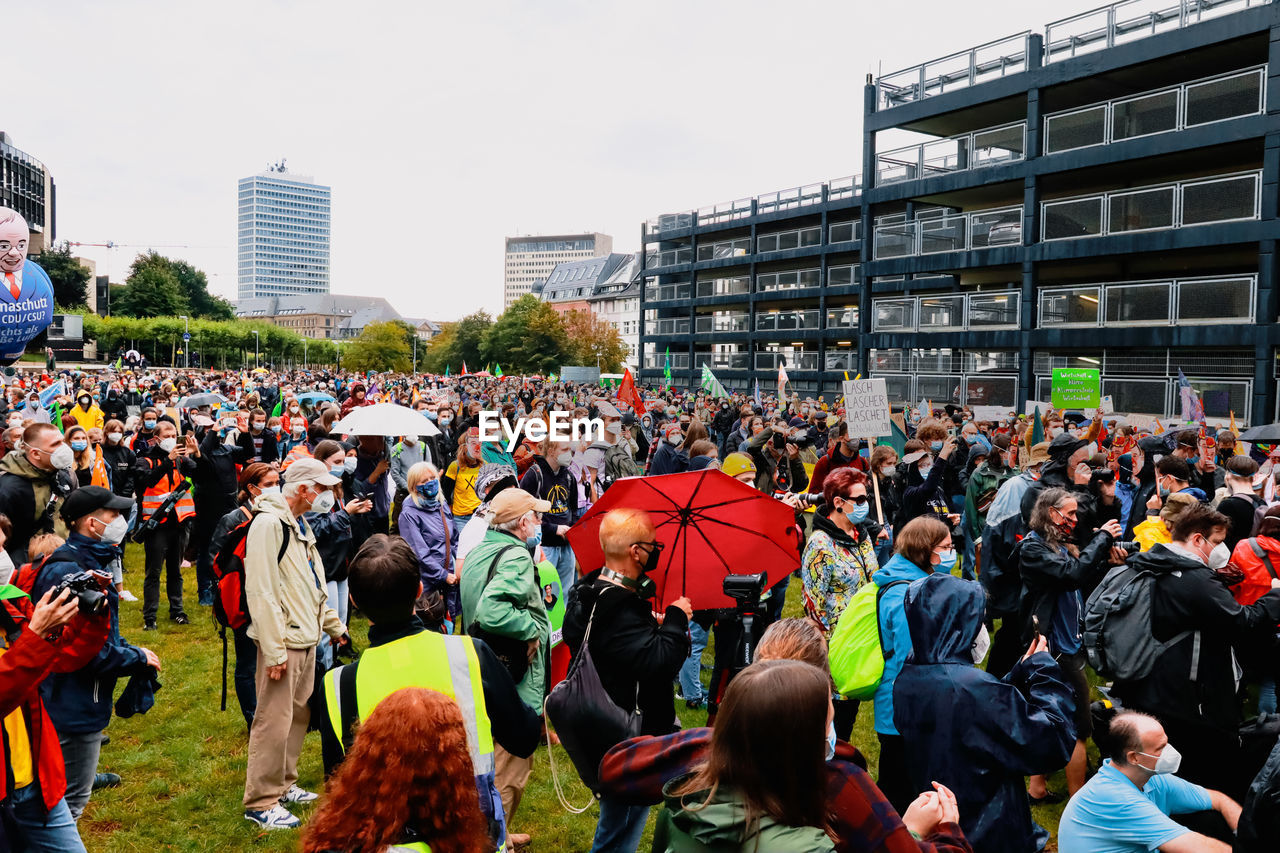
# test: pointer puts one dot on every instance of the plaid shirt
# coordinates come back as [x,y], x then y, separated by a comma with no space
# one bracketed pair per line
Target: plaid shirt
[636,770]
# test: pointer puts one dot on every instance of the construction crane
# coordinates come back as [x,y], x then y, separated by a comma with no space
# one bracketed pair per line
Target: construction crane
[111,244]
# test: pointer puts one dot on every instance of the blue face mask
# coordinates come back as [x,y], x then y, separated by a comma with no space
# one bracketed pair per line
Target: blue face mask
[935,446]
[79,444]
[149,424]
[947,560]
[831,741]
[535,540]
[432,415]
[856,512]
[338,471]
[429,489]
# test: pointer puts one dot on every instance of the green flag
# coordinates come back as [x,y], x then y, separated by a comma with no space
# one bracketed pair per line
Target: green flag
[712,385]
[497,370]
[446,370]
[1037,430]
[666,368]
[117,367]
[275,413]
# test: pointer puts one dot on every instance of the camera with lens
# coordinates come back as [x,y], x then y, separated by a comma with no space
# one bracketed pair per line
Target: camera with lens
[802,437]
[88,593]
[746,590]
[811,498]
[1129,548]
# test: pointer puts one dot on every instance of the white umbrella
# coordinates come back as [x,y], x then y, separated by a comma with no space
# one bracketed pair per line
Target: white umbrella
[384,419]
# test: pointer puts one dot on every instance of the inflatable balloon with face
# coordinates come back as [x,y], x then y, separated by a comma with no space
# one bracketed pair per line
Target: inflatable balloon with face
[26,294]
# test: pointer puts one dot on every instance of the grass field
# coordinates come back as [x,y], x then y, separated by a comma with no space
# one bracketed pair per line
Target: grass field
[183,762]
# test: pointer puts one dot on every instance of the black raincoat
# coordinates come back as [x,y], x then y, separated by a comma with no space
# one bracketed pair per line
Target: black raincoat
[970,731]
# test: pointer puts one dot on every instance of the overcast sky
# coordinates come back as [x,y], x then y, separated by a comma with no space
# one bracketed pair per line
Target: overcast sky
[442,127]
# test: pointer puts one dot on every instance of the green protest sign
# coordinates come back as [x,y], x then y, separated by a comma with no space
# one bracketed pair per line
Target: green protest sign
[1076,388]
[549,580]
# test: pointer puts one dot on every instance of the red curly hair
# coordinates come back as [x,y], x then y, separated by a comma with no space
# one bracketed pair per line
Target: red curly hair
[408,768]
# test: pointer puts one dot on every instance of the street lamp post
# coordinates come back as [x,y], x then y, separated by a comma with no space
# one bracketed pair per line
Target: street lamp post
[255,347]
[415,353]
[304,353]
[186,339]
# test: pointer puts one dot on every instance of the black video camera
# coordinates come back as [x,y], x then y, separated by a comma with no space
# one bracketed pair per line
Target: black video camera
[746,590]
[91,598]
[1129,548]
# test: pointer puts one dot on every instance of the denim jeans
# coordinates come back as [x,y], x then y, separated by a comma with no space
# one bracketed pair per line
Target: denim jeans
[80,755]
[620,827]
[52,833]
[561,556]
[884,547]
[459,522]
[338,599]
[970,554]
[691,671]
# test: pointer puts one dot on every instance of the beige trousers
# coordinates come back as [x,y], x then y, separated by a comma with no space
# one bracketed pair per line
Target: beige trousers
[279,725]
[511,774]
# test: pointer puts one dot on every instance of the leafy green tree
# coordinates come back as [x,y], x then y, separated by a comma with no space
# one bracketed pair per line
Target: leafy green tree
[152,291]
[195,285]
[528,337]
[70,278]
[439,350]
[594,341]
[381,346]
[469,338]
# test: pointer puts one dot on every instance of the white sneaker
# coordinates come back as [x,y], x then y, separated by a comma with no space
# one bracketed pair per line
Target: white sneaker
[125,595]
[275,817]
[298,795]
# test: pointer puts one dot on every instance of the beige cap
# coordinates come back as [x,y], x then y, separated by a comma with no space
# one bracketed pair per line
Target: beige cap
[1039,454]
[607,410]
[310,472]
[511,504]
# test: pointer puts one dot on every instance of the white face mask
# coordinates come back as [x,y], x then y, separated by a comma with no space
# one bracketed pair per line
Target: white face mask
[168,444]
[6,566]
[349,464]
[1168,762]
[114,437]
[614,428]
[564,459]
[674,439]
[268,490]
[981,645]
[887,470]
[62,458]
[114,531]
[1219,556]
[322,502]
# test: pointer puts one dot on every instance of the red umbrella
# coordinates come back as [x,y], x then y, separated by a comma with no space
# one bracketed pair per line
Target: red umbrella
[710,525]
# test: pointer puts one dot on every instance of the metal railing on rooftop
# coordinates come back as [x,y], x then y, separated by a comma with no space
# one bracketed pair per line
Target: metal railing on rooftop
[989,61]
[1129,21]
[1119,23]
[837,188]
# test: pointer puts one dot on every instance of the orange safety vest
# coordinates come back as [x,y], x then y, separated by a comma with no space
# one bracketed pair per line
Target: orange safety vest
[299,452]
[154,496]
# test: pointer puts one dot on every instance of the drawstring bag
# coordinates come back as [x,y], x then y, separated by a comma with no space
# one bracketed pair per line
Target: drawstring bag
[588,722]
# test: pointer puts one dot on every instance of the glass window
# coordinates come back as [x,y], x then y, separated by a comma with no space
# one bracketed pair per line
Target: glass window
[1215,299]
[1138,303]
[895,241]
[841,276]
[1000,145]
[994,309]
[842,318]
[1225,98]
[1075,307]
[991,391]
[841,232]
[899,360]
[1142,210]
[893,315]
[996,228]
[1144,115]
[1220,399]
[767,243]
[1137,396]
[1078,129]
[939,390]
[898,387]
[942,234]
[1076,218]
[940,313]
[1220,200]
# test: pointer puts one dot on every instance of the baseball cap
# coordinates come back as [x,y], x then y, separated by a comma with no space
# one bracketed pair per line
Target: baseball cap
[511,504]
[87,499]
[310,472]
[607,410]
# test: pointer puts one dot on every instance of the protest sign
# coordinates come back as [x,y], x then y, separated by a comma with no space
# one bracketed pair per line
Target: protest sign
[1076,388]
[866,408]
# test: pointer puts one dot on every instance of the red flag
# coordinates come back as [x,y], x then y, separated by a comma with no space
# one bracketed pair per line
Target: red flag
[628,393]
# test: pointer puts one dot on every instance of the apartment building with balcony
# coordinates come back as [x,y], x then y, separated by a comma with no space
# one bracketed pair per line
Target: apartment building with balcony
[1100,194]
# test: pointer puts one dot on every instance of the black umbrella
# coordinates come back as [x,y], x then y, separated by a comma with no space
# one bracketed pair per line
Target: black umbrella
[1266,434]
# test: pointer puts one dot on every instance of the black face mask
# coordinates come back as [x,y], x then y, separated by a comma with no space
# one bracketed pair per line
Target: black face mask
[651,562]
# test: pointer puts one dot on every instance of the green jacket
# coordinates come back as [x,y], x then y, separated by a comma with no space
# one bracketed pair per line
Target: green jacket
[510,605]
[983,479]
[684,827]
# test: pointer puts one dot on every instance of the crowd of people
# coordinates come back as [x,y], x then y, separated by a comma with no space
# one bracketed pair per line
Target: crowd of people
[1033,585]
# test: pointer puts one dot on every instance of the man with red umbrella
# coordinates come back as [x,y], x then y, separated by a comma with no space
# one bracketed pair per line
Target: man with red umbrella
[636,653]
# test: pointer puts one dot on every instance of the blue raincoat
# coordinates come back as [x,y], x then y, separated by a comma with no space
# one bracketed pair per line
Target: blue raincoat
[970,731]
